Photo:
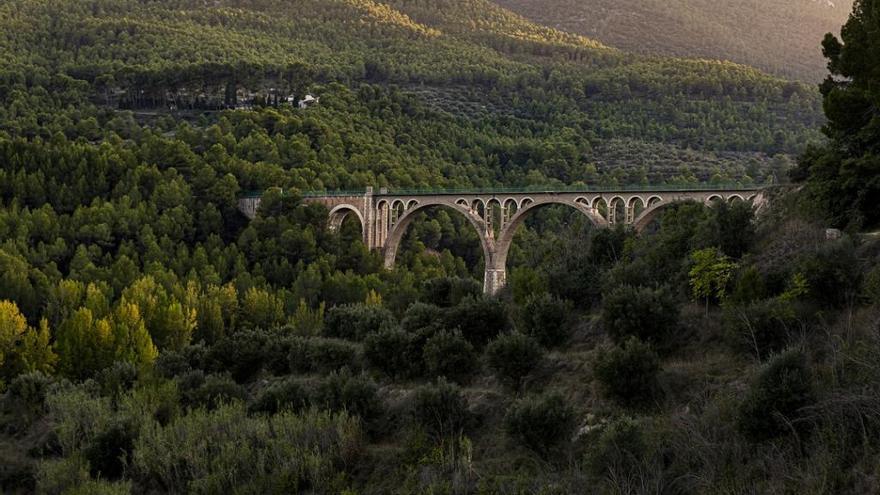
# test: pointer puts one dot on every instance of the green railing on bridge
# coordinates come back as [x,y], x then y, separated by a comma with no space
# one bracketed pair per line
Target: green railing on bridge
[521,190]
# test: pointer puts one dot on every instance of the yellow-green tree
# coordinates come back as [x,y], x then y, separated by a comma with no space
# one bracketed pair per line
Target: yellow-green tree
[22,347]
[169,323]
[710,274]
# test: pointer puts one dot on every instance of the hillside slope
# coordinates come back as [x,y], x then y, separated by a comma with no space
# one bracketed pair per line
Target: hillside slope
[490,81]
[779,36]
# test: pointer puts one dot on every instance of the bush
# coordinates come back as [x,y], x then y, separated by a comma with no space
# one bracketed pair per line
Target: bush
[546,318]
[440,409]
[30,389]
[345,392]
[513,356]
[871,285]
[320,354]
[649,314]
[356,321]
[628,374]
[833,273]
[479,320]
[109,452]
[277,355]
[619,449]
[773,403]
[420,316]
[449,355]
[118,378]
[242,354]
[213,391]
[394,352]
[227,451]
[540,423]
[450,291]
[762,327]
[279,396]
[170,364]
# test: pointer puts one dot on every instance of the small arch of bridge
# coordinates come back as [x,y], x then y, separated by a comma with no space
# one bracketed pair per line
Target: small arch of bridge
[339,213]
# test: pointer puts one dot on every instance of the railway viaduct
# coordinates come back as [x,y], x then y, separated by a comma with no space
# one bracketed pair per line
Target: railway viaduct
[496,214]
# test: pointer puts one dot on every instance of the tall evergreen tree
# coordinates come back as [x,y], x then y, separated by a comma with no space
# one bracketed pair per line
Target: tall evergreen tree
[844,175]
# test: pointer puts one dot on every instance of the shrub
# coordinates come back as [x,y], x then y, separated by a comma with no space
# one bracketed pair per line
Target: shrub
[448,354]
[440,409]
[871,285]
[277,355]
[546,318]
[628,374]
[242,354]
[30,389]
[215,390]
[773,403]
[118,378]
[450,291]
[227,451]
[540,423]
[394,352]
[356,321]
[619,449]
[321,354]
[171,363]
[479,320]
[833,272]
[420,316]
[649,314]
[109,452]
[286,394]
[762,327]
[345,392]
[513,356]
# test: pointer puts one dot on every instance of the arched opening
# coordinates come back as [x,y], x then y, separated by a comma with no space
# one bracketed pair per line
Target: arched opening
[539,239]
[635,208]
[341,213]
[735,198]
[436,240]
[495,216]
[617,210]
[601,207]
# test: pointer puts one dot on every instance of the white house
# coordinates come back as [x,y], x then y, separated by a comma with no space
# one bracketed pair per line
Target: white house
[308,101]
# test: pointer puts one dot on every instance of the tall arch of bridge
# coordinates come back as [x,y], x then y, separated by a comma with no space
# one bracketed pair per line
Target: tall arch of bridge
[496,216]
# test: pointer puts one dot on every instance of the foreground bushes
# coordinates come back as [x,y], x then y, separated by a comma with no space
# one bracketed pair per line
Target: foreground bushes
[540,423]
[227,451]
[440,409]
[513,356]
[628,374]
[774,402]
[319,354]
[546,319]
[356,321]
[449,355]
[649,314]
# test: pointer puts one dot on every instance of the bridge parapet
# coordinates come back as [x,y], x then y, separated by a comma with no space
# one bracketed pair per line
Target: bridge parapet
[496,214]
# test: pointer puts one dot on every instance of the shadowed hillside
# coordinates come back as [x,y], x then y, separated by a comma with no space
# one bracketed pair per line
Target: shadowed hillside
[778,36]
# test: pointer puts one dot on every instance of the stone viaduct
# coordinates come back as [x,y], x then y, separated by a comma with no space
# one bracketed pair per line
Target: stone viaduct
[385,216]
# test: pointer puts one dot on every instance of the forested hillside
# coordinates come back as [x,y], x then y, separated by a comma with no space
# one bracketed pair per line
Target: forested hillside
[154,340]
[778,36]
[501,89]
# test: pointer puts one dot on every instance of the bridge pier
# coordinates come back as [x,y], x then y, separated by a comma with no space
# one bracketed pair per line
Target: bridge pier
[385,216]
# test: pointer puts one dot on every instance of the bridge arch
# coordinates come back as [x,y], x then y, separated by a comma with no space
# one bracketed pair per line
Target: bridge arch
[496,271]
[400,227]
[340,212]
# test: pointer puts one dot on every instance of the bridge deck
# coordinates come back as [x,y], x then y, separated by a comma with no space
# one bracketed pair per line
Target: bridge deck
[609,189]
